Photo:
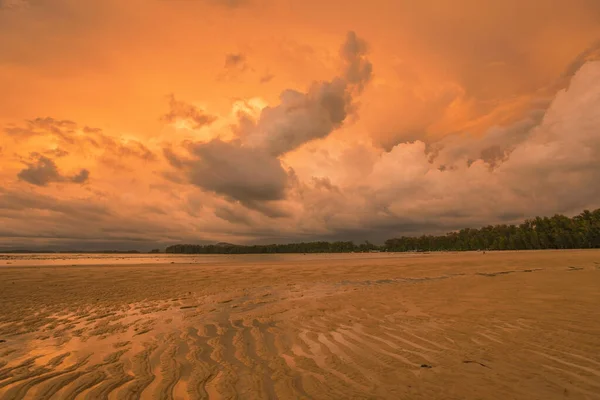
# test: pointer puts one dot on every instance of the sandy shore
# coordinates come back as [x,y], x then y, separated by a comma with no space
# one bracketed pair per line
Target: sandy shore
[515,325]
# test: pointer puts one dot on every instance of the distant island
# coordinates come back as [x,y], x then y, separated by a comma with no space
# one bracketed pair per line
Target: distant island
[557,232]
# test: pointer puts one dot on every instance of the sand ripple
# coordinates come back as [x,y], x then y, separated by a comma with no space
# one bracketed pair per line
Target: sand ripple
[451,326]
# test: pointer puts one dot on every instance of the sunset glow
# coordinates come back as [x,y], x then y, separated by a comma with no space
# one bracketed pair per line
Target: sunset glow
[139,124]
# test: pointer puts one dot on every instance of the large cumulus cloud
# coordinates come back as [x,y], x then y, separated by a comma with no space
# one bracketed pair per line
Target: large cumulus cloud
[544,162]
[248,169]
[548,162]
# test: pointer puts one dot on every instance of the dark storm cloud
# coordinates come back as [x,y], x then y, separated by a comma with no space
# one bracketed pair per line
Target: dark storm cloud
[244,174]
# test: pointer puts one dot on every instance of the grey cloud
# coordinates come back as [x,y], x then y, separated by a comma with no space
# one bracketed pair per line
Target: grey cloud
[43,171]
[234,216]
[358,68]
[302,117]
[81,177]
[181,110]
[24,201]
[268,208]
[36,221]
[244,174]
[249,170]
[173,158]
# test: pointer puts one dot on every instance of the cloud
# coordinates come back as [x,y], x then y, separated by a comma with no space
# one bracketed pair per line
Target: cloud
[302,117]
[17,201]
[81,177]
[58,223]
[266,77]
[235,65]
[57,152]
[179,110]
[43,171]
[232,215]
[493,148]
[248,170]
[243,174]
[358,68]
[70,135]
[235,61]
[63,129]
[546,163]
[462,124]
[325,184]
[428,109]
[592,53]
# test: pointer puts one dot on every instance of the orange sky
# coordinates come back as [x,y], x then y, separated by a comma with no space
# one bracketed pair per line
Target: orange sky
[139,123]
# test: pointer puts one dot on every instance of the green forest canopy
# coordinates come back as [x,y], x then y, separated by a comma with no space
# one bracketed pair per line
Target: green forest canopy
[557,232]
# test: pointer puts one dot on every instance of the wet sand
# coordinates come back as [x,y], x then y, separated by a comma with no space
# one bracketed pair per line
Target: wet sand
[513,325]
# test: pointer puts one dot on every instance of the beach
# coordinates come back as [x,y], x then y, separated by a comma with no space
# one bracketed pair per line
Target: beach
[472,325]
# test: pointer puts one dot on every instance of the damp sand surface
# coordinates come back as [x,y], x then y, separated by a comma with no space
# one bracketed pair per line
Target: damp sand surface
[500,325]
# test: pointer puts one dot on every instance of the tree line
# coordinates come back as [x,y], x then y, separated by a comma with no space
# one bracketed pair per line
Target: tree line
[557,232]
[304,247]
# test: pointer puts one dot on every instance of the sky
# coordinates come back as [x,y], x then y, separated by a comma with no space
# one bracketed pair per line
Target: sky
[143,123]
